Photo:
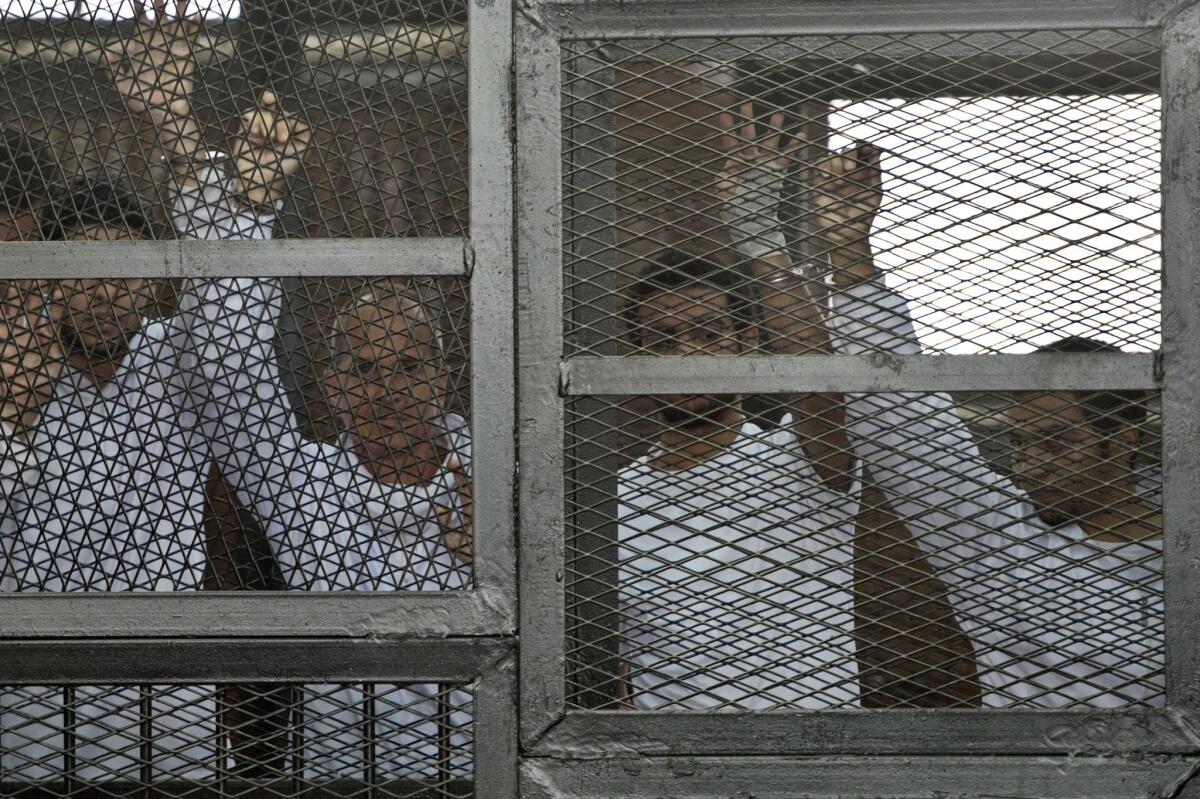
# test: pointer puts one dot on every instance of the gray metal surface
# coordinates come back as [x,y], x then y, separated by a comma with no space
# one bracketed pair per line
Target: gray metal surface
[278,258]
[492,328]
[114,661]
[897,731]
[495,731]
[539,301]
[583,19]
[1181,355]
[877,372]
[868,778]
[211,613]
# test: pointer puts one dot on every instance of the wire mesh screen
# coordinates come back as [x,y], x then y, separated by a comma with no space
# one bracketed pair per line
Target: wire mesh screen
[147,93]
[894,195]
[879,550]
[235,740]
[236,433]
[1020,174]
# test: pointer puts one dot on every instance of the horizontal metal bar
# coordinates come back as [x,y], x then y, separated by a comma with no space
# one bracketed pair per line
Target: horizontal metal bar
[115,661]
[278,258]
[864,732]
[619,19]
[877,66]
[782,374]
[1046,778]
[243,613]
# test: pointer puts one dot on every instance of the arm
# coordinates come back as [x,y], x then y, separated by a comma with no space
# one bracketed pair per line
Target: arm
[30,362]
[969,520]
[792,324]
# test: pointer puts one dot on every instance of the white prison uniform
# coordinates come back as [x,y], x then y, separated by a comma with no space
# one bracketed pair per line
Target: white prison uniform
[1057,618]
[735,580]
[330,525]
[117,504]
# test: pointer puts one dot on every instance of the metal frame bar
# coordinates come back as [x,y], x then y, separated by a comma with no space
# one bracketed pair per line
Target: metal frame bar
[774,374]
[1181,356]
[765,778]
[627,19]
[201,259]
[245,613]
[540,303]
[612,753]
[245,660]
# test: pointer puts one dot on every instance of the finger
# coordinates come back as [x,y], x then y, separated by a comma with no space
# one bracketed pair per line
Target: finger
[282,131]
[139,11]
[747,112]
[453,463]
[869,159]
[725,123]
[181,9]
[267,99]
[774,124]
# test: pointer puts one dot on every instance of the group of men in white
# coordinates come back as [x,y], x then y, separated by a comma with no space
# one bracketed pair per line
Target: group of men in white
[736,556]
[113,418]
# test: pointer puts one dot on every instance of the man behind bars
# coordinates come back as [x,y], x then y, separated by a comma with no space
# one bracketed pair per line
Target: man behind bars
[110,495]
[735,544]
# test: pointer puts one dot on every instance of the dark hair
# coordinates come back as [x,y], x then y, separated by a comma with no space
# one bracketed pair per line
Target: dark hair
[1106,411]
[673,270]
[28,172]
[96,200]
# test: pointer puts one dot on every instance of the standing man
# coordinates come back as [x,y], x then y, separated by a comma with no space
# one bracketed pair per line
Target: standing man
[1056,575]
[116,499]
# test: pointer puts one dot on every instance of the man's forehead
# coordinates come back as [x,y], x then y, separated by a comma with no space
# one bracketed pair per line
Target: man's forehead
[390,324]
[1047,408]
[686,301]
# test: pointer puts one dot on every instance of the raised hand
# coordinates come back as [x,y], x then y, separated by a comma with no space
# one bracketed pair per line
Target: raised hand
[31,354]
[844,193]
[751,181]
[268,150]
[153,73]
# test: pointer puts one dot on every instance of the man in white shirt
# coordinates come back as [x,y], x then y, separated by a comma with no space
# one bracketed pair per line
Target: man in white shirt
[111,494]
[386,508]
[735,549]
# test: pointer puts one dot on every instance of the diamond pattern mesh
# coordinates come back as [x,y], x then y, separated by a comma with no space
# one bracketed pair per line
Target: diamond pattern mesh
[231,740]
[302,434]
[1020,173]
[724,552]
[379,86]
[863,195]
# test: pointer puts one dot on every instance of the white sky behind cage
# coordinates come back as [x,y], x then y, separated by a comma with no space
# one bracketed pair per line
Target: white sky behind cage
[108,10]
[1012,222]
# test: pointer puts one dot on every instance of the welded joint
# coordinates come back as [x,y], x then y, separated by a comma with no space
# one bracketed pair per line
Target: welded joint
[468,258]
[498,602]
[564,379]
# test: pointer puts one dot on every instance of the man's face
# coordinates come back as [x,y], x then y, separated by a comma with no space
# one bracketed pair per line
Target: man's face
[104,312]
[1066,466]
[386,382]
[19,225]
[695,320]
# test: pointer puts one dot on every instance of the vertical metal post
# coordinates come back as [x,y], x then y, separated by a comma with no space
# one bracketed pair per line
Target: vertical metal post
[590,263]
[146,738]
[69,765]
[1181,356]
[298,742]
[540,302]
[444,750]
[370,745]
